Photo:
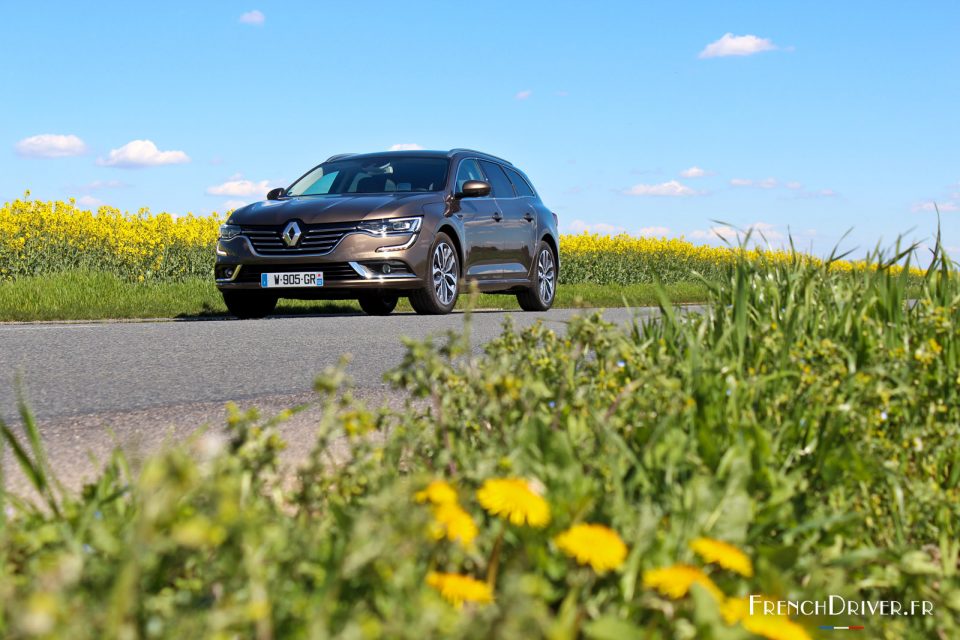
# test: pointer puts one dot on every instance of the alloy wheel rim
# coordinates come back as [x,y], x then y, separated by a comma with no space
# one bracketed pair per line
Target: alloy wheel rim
[545,275]
[444,273]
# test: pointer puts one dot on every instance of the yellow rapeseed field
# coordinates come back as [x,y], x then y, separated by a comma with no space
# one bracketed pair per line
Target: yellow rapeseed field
[47,237]
[42,237]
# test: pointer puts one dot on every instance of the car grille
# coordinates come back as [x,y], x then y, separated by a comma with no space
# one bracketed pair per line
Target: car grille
[332,271]
[317,239]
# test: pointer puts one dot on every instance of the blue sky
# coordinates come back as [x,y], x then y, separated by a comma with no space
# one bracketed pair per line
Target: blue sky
[834,116]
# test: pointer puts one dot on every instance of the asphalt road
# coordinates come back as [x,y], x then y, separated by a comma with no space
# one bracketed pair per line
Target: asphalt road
[75,369]
[97,385]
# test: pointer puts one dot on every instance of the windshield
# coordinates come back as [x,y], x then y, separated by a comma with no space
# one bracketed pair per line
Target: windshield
[383,174]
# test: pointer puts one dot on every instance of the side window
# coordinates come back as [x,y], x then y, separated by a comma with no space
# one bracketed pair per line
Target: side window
[469,170]
[498,180]
[521,185]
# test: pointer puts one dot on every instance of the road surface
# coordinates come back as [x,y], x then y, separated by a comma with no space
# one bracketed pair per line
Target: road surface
[139,384]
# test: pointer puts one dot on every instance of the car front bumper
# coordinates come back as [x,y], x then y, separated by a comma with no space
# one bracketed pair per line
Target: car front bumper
[354,264]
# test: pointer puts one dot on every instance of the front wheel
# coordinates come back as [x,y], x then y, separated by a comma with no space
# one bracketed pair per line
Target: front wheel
[378,304]
[539,297]
[247,305]
[443,279]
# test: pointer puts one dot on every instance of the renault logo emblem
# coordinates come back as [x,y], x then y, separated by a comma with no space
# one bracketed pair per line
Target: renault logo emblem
[291,234]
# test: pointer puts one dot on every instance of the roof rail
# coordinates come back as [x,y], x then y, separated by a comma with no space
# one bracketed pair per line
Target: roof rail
[489,155]
[339,156]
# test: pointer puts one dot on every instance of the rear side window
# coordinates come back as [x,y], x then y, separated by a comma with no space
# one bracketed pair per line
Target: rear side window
[498,180]
[519,183]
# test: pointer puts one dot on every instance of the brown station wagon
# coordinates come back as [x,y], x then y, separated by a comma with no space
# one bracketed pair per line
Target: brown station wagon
[380,226]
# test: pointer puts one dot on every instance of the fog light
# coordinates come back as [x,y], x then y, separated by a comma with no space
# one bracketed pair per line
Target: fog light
[386,268]
[228,272]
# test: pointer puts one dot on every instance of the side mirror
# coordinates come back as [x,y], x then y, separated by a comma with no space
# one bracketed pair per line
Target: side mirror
[274,194]
[474,189]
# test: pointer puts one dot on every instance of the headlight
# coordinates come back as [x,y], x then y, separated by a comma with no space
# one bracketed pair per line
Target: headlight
[390,227]
[229,231]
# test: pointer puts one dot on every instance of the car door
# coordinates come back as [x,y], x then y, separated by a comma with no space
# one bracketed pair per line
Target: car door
[514,254]
[481,227]
[526,200]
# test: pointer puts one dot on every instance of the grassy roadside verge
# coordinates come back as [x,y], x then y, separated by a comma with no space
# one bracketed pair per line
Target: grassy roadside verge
[80,295]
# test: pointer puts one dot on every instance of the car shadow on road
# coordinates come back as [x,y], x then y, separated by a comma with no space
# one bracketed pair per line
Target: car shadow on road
[318,310]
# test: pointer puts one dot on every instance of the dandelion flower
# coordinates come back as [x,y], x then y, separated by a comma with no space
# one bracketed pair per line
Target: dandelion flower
[675,582]
[437,492]
[453,523]
[514,500]
[593,544]
[775,628]
[457,589]
[724,554]
[733,610]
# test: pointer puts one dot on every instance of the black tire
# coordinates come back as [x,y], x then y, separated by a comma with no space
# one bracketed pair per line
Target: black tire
[442,289]
[378,304]
[247,305]
[543,289]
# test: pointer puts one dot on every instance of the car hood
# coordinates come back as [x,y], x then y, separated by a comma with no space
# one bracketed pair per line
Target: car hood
[334,208]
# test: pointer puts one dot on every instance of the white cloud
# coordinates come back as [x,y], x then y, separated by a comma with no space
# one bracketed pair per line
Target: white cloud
[713,233]
[759,231]
[141,153]
[237,187]
[254,17]
[731,45]
[406,146]
[671,188]
[693,172]
[523,95]
[767,183]
[51,145]
[931,207]
[656,232]
[89,201]
[819,193]
[793,185]
[767,229]
[230,205]
[579,226]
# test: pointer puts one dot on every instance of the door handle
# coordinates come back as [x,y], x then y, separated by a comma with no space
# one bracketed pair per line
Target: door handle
[528,216]
[497,216]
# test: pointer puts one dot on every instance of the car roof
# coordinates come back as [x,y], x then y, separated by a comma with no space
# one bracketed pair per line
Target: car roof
[420,153]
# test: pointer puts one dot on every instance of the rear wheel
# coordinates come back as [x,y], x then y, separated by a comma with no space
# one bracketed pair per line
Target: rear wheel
[378,304]
[539,297]
[443,279]
[247,305]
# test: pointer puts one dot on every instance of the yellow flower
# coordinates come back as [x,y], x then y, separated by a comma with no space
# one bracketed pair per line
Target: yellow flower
[724,554]
[437,492]
[775,627]
[593,544]
[457,589]
[514,500]
[455,524]
[734,610]
[675,582]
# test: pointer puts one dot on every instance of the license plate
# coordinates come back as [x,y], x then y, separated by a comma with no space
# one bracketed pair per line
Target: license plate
[295,279]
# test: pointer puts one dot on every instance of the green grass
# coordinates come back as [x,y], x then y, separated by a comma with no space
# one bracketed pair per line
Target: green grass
[82,295]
